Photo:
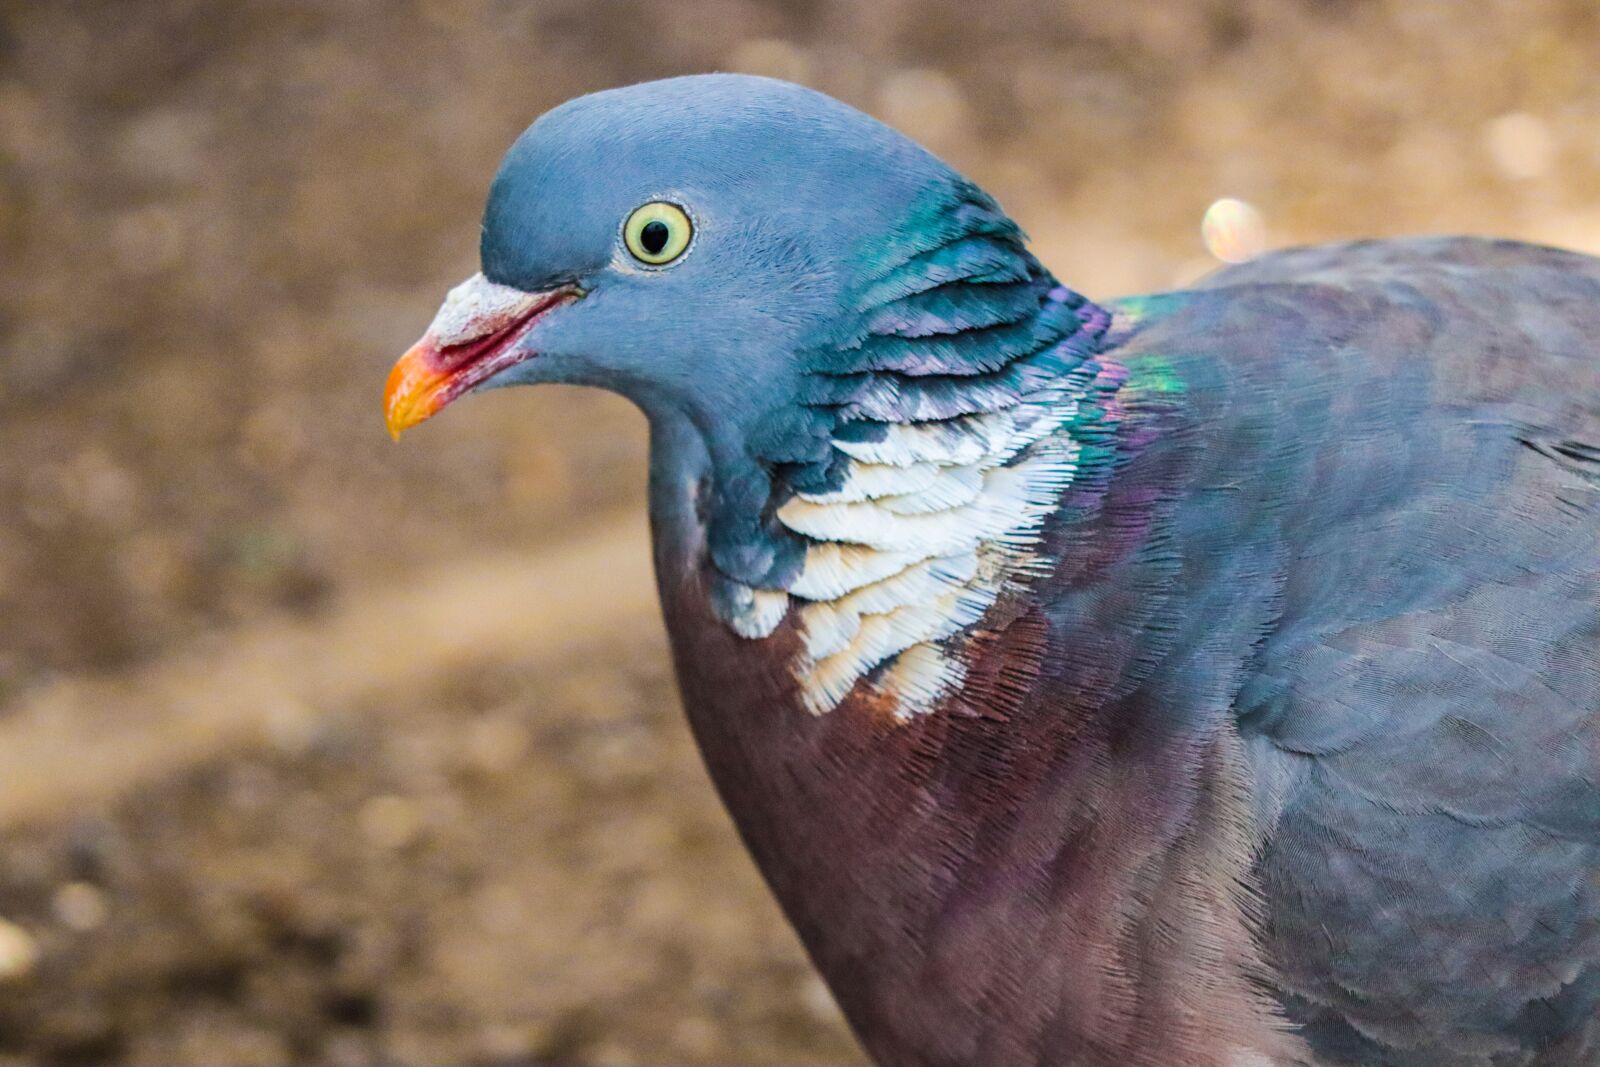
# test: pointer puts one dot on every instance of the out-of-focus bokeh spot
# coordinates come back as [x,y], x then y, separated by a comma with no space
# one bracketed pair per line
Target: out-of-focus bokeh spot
[80,906]
[1233,231]
[285,774]
[1520,145]
[18,951]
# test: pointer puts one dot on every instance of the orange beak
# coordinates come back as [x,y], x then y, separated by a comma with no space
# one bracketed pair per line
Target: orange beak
[477,334]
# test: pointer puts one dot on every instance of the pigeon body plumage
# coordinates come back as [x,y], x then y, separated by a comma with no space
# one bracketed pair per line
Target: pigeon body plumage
[1206,679]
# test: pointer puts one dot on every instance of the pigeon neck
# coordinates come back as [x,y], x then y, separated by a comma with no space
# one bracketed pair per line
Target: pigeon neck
[878,517]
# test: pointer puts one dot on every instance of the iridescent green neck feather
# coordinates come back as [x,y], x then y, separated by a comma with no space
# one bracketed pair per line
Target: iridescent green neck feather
[939,422]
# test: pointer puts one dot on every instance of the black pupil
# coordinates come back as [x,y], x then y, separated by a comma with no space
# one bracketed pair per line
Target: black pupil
[654,236]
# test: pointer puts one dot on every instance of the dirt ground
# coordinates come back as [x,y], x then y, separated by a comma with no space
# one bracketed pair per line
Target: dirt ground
[318,749]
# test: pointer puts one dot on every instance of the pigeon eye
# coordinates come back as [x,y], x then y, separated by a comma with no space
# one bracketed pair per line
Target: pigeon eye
[657,233]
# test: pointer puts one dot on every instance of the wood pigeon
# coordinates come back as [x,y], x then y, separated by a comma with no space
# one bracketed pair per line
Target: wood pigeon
[1204,679]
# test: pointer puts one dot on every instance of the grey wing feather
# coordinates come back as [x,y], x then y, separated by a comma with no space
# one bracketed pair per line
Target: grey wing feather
[1424,719]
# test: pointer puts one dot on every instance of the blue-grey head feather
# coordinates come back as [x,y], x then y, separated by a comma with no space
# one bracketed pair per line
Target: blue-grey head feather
[784,185]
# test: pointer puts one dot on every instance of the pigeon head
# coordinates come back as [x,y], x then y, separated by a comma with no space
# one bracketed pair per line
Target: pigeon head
[788,288]
[683,242]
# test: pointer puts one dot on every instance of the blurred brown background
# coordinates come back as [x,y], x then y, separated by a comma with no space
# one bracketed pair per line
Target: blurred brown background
[314,748]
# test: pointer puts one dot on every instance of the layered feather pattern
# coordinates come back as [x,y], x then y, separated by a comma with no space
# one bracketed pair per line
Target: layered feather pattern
[952,392]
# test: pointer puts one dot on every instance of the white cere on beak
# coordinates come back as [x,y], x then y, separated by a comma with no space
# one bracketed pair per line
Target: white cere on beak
[477,308]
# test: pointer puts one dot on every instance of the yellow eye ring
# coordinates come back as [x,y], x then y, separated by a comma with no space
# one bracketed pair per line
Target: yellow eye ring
[657,233]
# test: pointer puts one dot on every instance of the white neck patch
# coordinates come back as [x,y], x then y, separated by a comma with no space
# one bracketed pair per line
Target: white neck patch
[929,527]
